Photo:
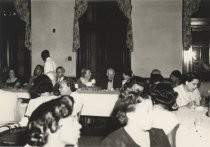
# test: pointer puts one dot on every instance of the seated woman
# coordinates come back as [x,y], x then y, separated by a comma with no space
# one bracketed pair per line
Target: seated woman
[52,124]
[135,112]
[39,69]
[67,87]
[164,98]
[41,92]
[175,78]
[188,92]
[12,81]
[85,79]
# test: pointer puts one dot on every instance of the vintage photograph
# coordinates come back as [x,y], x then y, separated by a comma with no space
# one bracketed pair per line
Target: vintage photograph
[105,73]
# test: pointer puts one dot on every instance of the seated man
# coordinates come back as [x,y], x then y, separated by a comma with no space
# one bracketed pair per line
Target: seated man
[110,82]
[39,69]
[60,71]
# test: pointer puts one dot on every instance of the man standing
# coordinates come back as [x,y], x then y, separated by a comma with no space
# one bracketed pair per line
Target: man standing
[49,64]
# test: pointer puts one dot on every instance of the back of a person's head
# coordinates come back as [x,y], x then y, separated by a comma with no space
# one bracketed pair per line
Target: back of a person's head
[45,119]
[177,74]
[129,97]
[155,71]
[41,85]
[156,78]
[163,93]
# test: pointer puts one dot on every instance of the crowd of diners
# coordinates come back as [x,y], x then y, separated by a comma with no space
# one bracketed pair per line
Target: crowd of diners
[143,110]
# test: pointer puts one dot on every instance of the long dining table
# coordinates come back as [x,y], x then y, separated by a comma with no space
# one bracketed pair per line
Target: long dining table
[98,103]
[194,127]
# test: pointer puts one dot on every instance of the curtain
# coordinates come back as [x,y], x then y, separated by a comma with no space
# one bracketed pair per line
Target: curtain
[126,7]
[189,7]
[103,40]
[79,10]
[81,7]
[23,11]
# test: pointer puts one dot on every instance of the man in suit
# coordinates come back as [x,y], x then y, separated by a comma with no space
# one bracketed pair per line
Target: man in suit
[111,82]
[60,71]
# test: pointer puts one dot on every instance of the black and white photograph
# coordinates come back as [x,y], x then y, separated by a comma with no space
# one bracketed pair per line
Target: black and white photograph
[105,73]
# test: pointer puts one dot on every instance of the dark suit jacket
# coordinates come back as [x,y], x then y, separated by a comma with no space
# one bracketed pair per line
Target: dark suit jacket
[57,86]
[117,83]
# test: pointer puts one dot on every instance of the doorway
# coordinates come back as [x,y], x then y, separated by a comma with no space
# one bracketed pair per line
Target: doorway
[103,40]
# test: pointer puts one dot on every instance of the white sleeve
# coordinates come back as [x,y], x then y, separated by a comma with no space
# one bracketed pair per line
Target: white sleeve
[46,67]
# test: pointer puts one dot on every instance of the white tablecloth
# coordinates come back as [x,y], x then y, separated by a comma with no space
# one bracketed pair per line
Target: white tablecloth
[96,104]
[194,129]
[20,93]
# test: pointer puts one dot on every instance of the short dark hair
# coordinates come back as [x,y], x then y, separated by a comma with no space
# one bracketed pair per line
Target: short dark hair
[156,78]
[128,72]
[177,74]
[45,54]
[60,67]
[46,117]
[40,66]
[163,93]
[189,77]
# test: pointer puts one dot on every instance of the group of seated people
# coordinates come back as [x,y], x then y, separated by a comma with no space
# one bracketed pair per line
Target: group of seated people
[143,109]
[142,115]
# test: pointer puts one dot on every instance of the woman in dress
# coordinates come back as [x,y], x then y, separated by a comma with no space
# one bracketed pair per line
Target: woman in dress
[188,92]
[85,79]
[12,81]
[52,124]
[135,113]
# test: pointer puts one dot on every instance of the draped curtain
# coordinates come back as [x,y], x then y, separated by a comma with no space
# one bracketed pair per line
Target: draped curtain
[189,7]
[81,7]
[79,10]
[126,7]
[23,11]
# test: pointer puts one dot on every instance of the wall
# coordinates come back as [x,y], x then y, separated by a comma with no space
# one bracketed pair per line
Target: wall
[157,32]
[46,15]
[157,28]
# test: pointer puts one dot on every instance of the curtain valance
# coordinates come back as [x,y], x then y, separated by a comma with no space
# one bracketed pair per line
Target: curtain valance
[23,11]
[81,7]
